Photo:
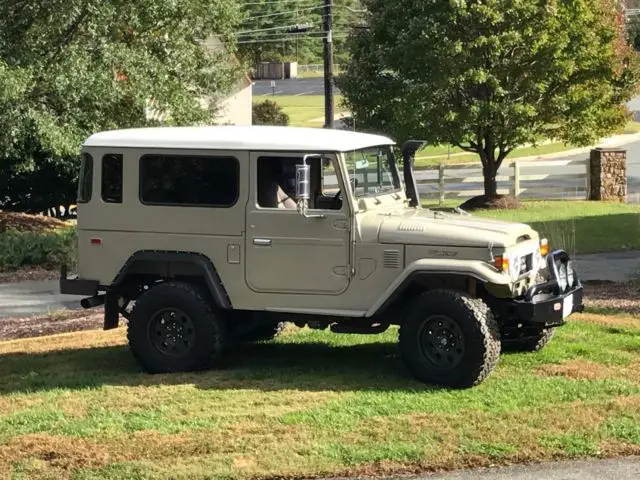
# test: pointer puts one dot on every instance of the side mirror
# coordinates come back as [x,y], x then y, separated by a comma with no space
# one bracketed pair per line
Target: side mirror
[303,182]
[303,188]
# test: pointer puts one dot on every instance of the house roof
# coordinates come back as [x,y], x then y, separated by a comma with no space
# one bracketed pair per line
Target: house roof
[229,137]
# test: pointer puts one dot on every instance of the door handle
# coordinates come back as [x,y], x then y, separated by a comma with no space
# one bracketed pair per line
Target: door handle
[262,242]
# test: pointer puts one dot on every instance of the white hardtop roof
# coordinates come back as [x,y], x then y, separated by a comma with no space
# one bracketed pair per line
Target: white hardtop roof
[229,137]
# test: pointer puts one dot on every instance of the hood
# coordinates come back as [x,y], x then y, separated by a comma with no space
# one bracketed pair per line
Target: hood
[428,227]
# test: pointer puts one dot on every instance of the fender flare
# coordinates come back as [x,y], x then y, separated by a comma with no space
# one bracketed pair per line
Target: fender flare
[203,264]
[479,270]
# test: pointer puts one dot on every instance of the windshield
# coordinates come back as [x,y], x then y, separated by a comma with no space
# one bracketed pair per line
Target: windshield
[373,171]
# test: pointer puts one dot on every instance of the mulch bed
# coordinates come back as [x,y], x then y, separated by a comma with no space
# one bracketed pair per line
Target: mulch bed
[24,222]
[24,274]
[42,325]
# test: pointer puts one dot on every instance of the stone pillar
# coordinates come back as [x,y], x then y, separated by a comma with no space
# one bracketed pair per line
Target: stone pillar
[608,174]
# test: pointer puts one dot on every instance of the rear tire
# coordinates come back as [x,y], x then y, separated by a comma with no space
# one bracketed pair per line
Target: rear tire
[533,343]
[173,328]
[450,339]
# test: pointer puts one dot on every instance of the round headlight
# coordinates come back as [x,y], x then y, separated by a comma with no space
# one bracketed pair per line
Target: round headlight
[571,274]
[514,267]
[562,276]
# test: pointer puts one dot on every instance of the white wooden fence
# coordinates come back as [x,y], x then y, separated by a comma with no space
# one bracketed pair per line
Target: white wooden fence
[545,179]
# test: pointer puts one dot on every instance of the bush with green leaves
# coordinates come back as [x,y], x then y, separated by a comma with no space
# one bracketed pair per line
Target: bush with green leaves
[47,249]
[269,113]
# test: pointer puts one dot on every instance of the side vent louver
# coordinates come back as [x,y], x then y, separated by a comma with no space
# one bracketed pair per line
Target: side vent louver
[391,259]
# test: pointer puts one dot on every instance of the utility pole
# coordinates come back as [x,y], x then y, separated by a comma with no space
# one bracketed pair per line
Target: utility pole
[328,64]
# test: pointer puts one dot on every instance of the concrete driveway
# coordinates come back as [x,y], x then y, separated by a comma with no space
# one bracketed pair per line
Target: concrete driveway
[33,298]
[618,469]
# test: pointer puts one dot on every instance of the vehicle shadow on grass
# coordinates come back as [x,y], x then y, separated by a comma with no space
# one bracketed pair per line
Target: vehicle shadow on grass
[266,367]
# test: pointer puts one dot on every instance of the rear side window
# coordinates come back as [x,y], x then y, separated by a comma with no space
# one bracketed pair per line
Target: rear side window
[211,181]
[85,181]
[112,178]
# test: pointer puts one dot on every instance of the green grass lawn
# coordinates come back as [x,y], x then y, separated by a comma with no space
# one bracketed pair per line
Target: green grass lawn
[311,403]
[305,110]
[577,226]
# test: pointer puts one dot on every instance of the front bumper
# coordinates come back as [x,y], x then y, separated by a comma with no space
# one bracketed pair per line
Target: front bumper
[77,286]
[546,304]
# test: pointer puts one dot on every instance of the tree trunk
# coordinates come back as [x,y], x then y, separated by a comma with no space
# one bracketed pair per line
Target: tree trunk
[489,171]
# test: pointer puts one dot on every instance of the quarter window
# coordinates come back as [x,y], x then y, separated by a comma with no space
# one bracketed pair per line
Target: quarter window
[210,181]
[85,181]
[112,178]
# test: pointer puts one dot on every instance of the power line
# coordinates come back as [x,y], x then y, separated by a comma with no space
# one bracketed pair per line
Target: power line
[279,14]
[283,27]
[270,2]
[285,39]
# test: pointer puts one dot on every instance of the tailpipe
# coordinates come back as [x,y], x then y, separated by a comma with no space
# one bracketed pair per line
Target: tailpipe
[92,302]
[409,149]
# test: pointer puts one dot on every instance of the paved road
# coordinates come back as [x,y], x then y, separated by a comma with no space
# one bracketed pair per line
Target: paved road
[296,86]
[32,298]
[618,469]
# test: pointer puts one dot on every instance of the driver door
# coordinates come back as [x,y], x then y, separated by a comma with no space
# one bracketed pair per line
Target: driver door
[289,253]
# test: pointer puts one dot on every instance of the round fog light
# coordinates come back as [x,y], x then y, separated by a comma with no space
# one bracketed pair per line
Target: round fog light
[571,274]
[562,277]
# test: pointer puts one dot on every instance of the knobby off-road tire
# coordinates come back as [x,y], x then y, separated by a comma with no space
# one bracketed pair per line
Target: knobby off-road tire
[261,333]
[532,343]
[450,339]
[173,328]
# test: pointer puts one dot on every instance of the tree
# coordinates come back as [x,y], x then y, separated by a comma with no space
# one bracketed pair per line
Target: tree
[488,76]
[269,113]
[71,68]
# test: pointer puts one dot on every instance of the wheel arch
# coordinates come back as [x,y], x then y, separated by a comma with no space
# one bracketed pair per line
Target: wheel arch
[174,265]
[421,281]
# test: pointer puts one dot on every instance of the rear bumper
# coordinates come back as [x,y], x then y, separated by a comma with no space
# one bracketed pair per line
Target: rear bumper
[77,286]
[546,304]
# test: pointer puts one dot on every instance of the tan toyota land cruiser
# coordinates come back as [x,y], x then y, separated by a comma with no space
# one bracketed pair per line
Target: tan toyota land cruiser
[202,237]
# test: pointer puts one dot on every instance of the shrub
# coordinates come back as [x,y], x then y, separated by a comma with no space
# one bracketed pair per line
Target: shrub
[46,249]
[269,113]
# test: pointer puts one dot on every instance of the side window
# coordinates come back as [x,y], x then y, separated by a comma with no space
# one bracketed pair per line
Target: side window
[112,178]
[277,183]
[207,181]
[330,184]
[85,180]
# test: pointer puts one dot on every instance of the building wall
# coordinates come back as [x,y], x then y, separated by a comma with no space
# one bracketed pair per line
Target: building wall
[237,108]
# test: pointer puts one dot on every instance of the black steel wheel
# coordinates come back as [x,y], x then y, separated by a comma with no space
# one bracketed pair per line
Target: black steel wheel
[174,328]
[442,341]
[450,339]
[172,332]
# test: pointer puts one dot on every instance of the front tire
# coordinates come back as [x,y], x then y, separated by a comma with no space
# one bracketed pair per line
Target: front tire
[450,339]
[173,328]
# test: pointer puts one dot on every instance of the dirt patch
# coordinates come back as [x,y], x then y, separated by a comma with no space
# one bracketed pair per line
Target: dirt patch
[586,370]
[576,370]
[23,222]
[42,325]
[623,321]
